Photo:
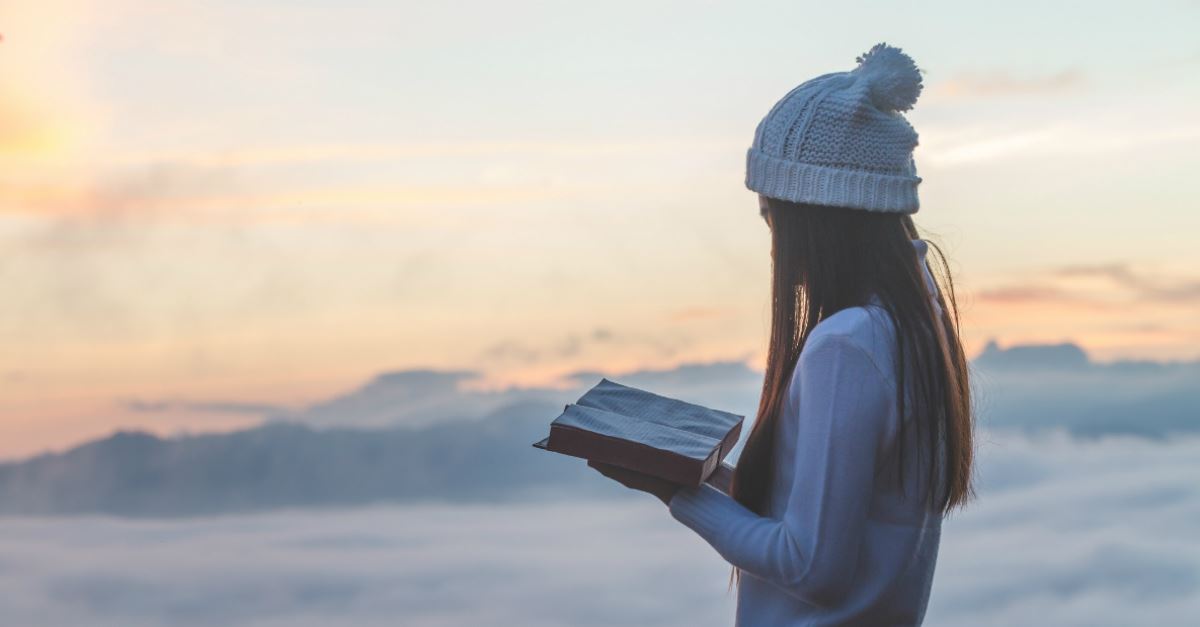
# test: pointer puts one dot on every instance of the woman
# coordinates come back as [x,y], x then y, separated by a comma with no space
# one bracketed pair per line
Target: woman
[863,437]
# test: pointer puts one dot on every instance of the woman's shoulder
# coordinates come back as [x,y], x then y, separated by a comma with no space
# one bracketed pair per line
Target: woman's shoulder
[868,327]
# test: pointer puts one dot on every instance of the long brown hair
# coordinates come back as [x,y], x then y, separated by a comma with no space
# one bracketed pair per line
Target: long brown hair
[825,259]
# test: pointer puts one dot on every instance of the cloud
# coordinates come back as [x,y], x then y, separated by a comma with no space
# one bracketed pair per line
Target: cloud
[1071,533]
[1048,387]
[270,156]
[164,406]
[1064,533]
[1083,138]
[513,351]
[420,566]
[417,398]
[149,193]
[568,346]
[1035,294]
[689,314]
[575,344]
[999,83]
[1142,285]
[1094,286]
[167,192]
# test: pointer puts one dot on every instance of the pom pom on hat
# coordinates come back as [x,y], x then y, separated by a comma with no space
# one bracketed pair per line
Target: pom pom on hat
[893,79]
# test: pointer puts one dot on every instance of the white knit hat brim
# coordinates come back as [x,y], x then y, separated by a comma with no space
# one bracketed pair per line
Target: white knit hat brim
[823,185]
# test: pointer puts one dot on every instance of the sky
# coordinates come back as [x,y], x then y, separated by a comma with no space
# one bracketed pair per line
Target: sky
[264,203]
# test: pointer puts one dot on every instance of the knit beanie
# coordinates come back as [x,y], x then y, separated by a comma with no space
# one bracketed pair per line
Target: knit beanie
[839,139]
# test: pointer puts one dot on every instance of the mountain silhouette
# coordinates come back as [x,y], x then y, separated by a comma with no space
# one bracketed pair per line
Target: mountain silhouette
[404,438]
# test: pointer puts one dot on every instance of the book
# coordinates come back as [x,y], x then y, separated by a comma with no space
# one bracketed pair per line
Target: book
[636,429]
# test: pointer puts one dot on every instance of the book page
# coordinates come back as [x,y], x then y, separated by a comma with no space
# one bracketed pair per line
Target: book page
[648,406]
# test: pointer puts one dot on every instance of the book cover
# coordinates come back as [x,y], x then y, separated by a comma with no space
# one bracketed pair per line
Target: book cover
[643,431]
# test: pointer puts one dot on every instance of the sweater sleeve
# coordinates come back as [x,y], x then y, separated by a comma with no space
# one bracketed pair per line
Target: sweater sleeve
[812,550]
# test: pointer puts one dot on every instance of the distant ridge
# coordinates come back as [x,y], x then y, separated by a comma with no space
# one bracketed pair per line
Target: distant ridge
[291,465]
[1063,356]
[465,454]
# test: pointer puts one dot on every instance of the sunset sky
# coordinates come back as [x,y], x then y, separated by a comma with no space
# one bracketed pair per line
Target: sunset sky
[239,204]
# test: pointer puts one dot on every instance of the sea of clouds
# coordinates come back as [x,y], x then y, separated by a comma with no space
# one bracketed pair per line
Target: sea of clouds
[1066,531]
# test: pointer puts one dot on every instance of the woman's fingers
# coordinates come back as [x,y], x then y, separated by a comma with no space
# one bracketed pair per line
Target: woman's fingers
[624,476]
[634,480]
[612,472]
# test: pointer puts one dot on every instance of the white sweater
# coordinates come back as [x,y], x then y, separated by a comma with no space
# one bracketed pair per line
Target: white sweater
[841,545]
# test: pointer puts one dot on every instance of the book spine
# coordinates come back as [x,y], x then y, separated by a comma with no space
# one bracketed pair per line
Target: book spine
[730,440]
[710,464]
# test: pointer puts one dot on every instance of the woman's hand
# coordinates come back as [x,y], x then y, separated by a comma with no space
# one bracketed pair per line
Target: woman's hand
[635,480]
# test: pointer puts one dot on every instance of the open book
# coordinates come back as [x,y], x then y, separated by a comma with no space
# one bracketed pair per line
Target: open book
[643,431]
